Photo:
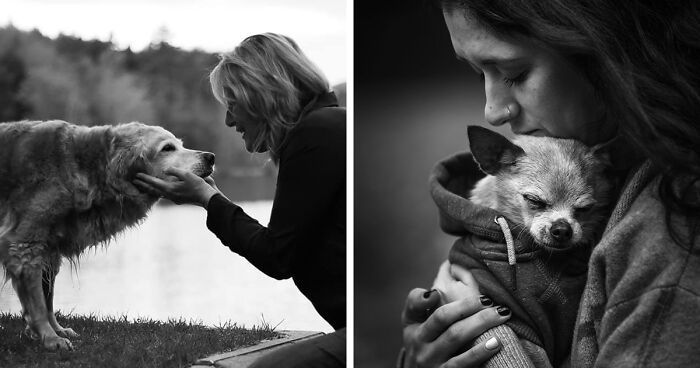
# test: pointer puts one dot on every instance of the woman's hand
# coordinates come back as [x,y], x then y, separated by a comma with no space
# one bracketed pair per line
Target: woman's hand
[436,335]
[187,188]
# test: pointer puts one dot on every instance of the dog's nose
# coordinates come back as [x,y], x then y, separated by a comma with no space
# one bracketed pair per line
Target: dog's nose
[209,158]
[561,230]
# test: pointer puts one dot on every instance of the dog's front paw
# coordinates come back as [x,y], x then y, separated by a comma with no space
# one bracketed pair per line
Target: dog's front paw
[66,332]
[54,343]
[29,333]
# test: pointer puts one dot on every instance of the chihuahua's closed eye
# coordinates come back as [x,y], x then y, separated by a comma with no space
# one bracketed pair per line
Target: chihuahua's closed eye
[555,188]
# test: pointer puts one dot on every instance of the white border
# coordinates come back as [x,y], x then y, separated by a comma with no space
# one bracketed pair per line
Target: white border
[350,209]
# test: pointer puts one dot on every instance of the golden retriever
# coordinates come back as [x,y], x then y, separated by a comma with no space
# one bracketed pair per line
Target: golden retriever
[64,188]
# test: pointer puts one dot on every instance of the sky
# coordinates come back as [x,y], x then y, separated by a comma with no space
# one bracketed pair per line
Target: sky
[318,26]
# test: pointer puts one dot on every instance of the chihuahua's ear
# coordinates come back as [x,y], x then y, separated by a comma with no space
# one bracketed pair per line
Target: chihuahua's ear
[491,150]
[602,153]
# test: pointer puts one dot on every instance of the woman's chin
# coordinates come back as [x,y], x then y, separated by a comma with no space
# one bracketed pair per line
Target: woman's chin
[249,146]
[252,149]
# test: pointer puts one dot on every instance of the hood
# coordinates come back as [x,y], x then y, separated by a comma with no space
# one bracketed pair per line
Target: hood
[451,181]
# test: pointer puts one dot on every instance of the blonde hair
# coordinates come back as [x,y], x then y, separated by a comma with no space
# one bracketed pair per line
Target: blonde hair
[268,77]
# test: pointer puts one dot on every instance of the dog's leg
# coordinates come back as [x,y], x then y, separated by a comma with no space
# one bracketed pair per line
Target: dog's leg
[25,262]
[48,283]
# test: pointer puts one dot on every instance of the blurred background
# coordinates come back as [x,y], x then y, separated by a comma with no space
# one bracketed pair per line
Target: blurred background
[95,62]
[412,103]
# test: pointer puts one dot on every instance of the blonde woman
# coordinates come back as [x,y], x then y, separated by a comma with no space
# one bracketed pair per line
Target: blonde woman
[280,102]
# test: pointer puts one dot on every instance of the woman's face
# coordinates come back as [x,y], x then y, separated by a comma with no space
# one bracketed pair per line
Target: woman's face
[247,126]
[534,89]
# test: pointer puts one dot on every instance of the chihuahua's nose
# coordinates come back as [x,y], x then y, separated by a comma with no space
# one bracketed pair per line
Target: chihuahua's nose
[561,230]
[209,158]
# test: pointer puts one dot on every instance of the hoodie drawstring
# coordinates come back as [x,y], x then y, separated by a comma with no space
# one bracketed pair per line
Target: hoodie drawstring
[510,246]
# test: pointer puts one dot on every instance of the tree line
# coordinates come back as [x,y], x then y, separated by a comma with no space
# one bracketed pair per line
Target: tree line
[92,82]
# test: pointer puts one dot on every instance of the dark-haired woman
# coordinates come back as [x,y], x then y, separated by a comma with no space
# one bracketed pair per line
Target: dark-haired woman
[280,102]
[596,71]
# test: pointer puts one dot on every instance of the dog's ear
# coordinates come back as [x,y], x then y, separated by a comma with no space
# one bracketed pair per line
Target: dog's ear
[601,151]
[127,157]
[492,151]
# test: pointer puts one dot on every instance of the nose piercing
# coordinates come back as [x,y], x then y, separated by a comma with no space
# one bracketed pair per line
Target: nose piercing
[509,113]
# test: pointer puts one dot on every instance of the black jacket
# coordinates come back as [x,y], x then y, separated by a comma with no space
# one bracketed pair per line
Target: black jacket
[305,239]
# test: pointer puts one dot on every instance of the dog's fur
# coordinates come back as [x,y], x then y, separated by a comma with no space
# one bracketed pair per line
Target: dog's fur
[548,185]
[64,188]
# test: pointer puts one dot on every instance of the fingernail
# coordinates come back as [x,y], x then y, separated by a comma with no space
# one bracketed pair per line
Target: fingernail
[427,294]
[503,310]
[485,300]
[491,344]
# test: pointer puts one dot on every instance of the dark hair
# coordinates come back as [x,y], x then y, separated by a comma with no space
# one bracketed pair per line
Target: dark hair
[642,58]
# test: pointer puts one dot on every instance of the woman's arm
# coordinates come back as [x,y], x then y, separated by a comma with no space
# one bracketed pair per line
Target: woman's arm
[310,194]
[660,329]
[641,303]
[310,190]
[512,354]
[436,335]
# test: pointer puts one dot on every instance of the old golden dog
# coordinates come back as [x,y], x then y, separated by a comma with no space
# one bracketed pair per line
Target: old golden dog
[64,188]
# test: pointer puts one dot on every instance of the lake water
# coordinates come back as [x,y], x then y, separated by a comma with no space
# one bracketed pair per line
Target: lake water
[172,266]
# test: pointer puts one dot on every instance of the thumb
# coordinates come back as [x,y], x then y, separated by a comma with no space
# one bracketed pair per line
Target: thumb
[174,171]
[419,305]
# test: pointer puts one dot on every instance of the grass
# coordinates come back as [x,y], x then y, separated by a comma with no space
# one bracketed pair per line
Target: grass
[118,342]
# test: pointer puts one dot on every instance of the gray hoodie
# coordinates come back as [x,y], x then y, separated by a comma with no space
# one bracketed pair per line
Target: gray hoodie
[542,289]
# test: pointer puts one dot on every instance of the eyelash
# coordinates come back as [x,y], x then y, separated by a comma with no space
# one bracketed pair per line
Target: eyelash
[510,82]
[534,202]
[583,210]
[515,81]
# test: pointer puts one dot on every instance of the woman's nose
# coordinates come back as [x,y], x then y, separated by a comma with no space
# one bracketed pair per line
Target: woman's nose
[229,121]
[498,109]
[496,115]
[500,114]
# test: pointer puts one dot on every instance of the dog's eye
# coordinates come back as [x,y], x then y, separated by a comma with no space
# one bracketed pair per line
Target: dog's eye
[584,210]
[534,202]
[168,147]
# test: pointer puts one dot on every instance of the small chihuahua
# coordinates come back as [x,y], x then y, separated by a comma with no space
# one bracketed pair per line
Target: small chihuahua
[556,188]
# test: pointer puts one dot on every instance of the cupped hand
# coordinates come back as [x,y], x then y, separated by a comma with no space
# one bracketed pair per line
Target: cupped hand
[186,188]
[437,334]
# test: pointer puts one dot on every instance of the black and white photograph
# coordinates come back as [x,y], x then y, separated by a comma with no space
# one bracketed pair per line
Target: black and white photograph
[526,184]
[322,184]
[173,183]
